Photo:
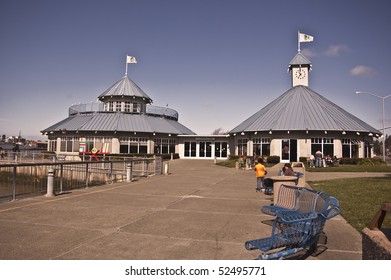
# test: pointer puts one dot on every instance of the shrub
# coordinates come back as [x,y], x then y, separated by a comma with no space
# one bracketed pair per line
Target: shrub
[303,160]
[233,157]
[273,159]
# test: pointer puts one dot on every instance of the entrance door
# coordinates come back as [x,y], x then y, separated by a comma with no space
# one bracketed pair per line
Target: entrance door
[288,150]
[205,149]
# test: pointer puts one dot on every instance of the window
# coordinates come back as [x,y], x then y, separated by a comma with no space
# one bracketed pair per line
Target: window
[325,145]
[69,144]
[118,106]
[136,107]
[52,145]
[242,147]
[133,145]
[261,146]
[164,146]
[350,148]
[128,106]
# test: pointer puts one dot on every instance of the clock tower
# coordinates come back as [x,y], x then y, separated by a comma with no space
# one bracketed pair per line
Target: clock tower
[300,67]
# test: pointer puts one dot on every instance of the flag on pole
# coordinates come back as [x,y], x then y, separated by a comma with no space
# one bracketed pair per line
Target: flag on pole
[305,38]
[130,59]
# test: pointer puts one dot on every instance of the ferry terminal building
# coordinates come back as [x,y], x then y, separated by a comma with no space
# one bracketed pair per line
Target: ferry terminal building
[296,124]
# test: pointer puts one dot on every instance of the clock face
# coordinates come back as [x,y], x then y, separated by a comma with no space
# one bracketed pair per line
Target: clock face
[300,74]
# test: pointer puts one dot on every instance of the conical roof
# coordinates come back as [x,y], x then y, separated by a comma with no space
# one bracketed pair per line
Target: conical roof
[301,108]
[300,59]
[125,87]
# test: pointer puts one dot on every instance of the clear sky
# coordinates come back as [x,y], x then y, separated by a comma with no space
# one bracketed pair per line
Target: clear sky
[216,62]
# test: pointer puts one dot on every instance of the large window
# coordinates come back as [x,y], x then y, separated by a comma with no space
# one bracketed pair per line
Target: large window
[164,146]
[242,147]
[261,146]
[52,145]
[69,144]
[350,148]
[133,145]
[325,145]
[99,142]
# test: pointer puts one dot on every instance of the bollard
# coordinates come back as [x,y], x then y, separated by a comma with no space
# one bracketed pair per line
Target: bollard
[50,185]
[166,167]
[215,160]
[128,172]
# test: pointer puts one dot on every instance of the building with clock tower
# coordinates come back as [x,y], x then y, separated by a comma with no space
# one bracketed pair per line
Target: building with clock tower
[301,122]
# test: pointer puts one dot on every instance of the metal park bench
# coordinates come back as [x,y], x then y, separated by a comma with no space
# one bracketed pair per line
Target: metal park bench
[296,229]
[287,200]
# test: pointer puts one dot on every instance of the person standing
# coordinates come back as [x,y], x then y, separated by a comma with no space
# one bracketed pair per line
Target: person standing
[318,159]
[260,172]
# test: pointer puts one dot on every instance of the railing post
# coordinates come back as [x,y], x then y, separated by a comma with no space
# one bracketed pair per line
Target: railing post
[87,175]
[61,176]
[50,185]
[129,172]
[147,167]
[14,184]
[111,172]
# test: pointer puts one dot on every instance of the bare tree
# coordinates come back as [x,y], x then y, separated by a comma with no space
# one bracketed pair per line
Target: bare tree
[219,131]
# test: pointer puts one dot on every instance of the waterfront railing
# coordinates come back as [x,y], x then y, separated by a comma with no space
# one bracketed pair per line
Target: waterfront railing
[19,180]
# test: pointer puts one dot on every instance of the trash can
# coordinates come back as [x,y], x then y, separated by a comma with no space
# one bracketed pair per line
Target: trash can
[299,169]
[281,180]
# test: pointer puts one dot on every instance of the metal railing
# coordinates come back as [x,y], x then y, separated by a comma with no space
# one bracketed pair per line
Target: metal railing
[19,180]
[95,107]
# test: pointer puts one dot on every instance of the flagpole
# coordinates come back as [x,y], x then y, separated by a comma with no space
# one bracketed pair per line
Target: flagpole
[126,66]
[298,41]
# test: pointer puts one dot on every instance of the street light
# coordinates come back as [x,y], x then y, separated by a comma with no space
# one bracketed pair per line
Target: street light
[383,118]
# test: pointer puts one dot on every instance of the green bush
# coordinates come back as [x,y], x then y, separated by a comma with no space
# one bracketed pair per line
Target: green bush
[348,161]
[362,161]
[233,157]
[303,160]
[273,159]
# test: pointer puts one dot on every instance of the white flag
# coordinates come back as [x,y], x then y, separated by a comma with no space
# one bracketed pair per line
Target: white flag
[305,38]
[130,59]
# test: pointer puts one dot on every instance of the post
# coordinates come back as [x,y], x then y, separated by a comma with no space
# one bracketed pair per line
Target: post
[129,172]
[384,133]
[61,176]
[50,184]
[166,167]
[14,184]
[87,179]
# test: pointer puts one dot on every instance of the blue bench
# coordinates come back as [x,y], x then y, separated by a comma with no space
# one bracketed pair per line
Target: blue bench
[298,226]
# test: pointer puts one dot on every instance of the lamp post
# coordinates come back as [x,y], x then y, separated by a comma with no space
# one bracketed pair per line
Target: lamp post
[383,118]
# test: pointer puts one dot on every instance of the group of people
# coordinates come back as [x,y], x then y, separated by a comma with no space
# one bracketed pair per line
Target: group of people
[317,160]
[260,172]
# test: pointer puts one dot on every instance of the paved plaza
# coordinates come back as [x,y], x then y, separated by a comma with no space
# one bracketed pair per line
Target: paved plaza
[200,211]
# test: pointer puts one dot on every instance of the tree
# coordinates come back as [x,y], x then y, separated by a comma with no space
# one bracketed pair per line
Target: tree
[219,131]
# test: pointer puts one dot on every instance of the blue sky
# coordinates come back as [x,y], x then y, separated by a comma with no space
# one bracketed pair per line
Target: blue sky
[216,62]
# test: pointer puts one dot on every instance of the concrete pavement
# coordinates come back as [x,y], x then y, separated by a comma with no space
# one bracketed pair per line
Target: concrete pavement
[199,211]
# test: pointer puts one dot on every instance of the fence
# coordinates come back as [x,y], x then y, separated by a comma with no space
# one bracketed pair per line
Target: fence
[19,180]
